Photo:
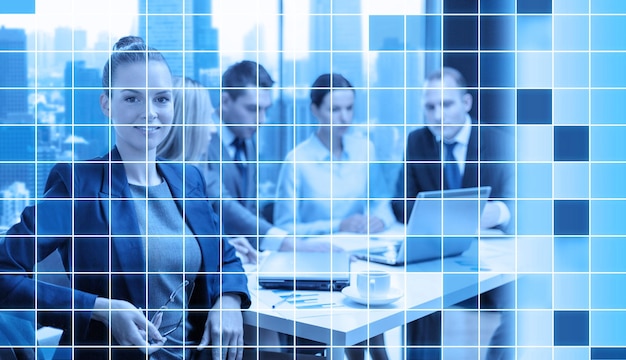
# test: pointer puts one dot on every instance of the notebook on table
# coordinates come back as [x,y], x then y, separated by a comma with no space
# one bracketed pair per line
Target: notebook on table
[305,271]
[448,216]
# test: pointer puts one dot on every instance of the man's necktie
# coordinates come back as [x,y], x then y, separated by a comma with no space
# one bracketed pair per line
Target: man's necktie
[240,157]
[451,173]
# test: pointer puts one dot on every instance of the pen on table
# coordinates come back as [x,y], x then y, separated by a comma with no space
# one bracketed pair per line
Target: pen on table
[283,300]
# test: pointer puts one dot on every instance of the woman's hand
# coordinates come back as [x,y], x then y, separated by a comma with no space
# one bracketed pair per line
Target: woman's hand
[223,330]
[247,253]
[128,325]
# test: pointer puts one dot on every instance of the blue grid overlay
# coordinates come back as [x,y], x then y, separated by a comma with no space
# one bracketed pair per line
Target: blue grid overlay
[550,69]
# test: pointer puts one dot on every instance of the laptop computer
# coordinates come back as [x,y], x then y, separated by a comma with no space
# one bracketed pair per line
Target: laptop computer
[448,216]
[305,271]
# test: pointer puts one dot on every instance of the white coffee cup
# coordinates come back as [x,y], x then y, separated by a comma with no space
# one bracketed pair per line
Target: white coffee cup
[373,284]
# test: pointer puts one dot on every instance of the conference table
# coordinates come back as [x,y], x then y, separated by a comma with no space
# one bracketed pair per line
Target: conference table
[427,287]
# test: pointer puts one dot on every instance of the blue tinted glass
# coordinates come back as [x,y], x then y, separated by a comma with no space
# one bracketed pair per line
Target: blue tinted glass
[534,291]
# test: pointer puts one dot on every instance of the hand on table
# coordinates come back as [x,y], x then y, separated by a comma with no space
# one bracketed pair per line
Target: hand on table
[361,224]
[245,251]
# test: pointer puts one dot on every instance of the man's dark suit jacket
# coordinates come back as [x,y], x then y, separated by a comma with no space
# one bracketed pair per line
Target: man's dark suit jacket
[85,216]
[239,206]
[494,150]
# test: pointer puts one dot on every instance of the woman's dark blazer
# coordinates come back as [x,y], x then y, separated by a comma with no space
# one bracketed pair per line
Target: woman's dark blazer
[85,215]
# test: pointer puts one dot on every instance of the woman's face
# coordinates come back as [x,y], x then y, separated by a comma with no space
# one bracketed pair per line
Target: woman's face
[337,110]
[140,104]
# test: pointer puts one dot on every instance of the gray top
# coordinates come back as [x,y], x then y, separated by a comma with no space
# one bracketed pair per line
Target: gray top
[169,260]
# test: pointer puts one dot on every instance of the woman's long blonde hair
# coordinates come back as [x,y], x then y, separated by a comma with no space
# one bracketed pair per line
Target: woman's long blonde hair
[192,125]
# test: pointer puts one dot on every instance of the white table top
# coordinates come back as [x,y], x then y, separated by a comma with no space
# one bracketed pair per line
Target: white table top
[428,287]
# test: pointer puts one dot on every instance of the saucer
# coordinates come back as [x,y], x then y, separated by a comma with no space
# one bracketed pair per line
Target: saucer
[353,294]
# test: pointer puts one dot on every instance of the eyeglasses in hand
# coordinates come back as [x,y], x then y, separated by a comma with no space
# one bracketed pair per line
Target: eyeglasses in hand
[176,303]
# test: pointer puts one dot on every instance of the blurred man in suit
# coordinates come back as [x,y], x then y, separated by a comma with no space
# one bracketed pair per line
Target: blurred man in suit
[452,151]
[233,164]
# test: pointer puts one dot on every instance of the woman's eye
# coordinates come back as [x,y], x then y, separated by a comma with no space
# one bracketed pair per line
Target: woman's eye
[163,99]
[131,99]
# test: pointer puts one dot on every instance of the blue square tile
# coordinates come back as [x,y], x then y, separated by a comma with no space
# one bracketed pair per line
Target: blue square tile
[571,328]
[608,7]
[534,254]
[608,291]
[605,104]
[460,6]
[497,69]
[534,328]
[607,143]
[534,217]
[535,143]
[534,69]
[606,353]
[466,63]
[414,32]
[571,254]
[534,291]
[608,329]
[603,73]
[571,32]
[571,291]
[571,143]
[571,69]
[534,106]
[495,106]
[534,33]
[497,6]
[571,217]
[460,33]
[386,33]
[607,180]
[603,30]
[608,217]
[571,180]
[534,180]
[607,254]
[571,6]
[571,106]
[534,7]
[497,33]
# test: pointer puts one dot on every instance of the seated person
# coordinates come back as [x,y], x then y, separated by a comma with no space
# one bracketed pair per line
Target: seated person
[127,256]
[452,152]
[323,183]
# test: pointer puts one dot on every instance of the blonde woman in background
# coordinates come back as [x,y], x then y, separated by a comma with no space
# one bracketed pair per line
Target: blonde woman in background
[189,139]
